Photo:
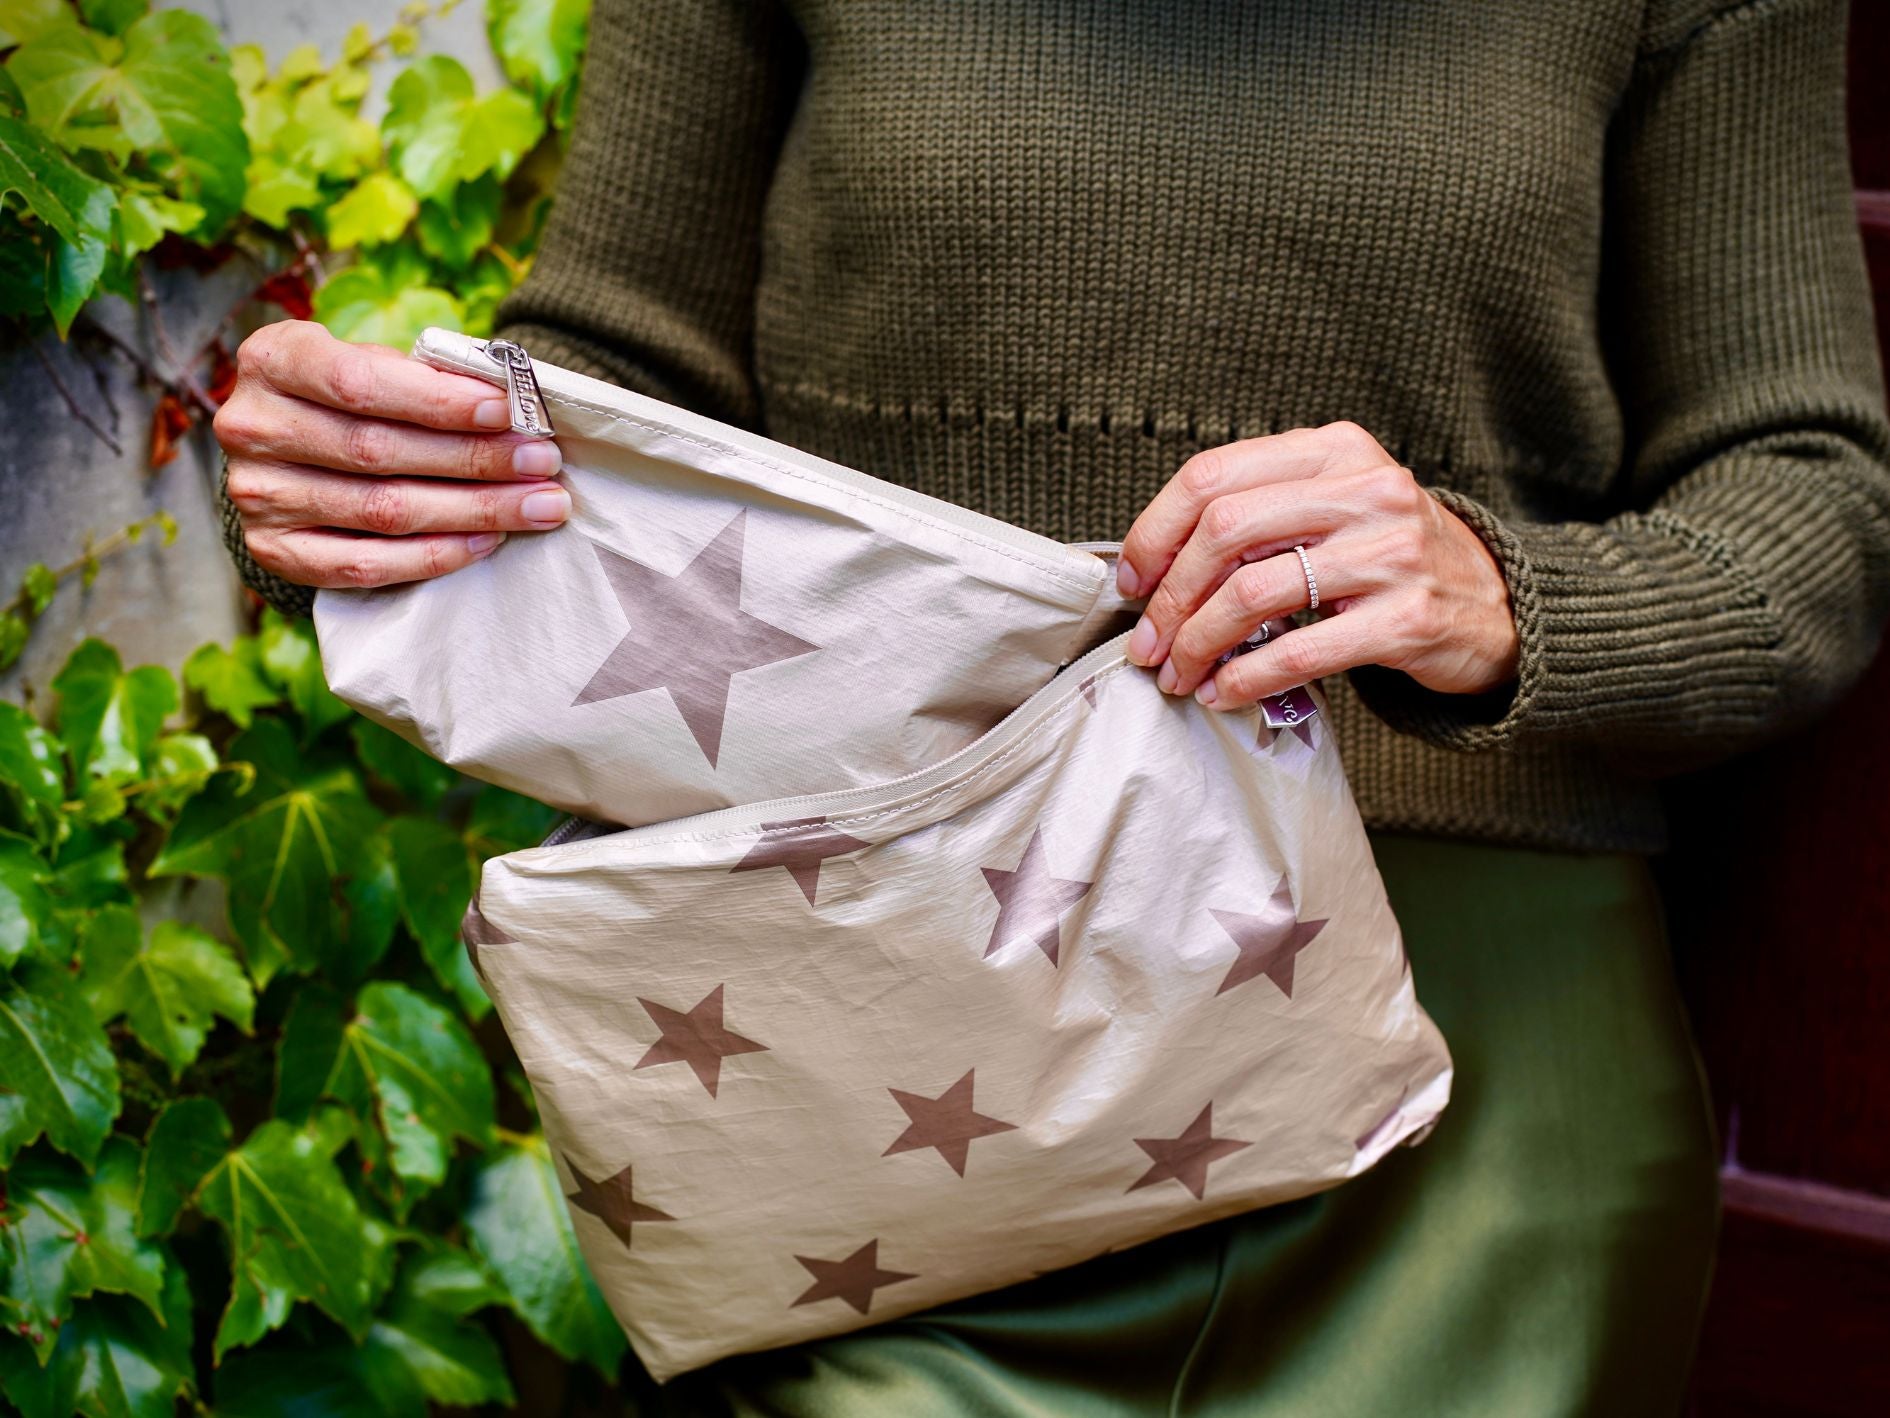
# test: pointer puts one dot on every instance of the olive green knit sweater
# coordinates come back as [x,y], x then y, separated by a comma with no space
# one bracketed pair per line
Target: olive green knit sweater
[1591,271]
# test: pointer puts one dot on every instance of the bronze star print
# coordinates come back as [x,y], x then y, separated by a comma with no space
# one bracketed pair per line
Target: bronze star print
[474,931]
[800,845]
[853,1279]
[1186,1159]
[1269,942]
[611,1201]
[688,634]
[1031,901]
[946,1122]
[697,1038]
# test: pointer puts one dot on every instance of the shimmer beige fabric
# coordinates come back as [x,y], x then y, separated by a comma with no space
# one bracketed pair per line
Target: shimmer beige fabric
[721,620]
[1121,967]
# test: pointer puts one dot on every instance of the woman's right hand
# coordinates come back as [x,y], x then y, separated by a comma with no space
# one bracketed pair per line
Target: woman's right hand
[352,465]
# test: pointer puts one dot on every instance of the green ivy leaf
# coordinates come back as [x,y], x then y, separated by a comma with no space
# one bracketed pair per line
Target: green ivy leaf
[23,903]
[57,1073]
[114,1359]
[113,16]
[384,304]
[168,85]
[32,777]
[72,274]
[145,217]
[522,1230]
[180,770]
[170,986]
[295,1233]
[306,1381]
[22,19]
[76,206]
[539,42]
[456,227]
[275,188]
[293,662]
[417,1069]
[231,681]
[38,586]
[440,134]
[420,1346]
[111,719]
[279,842]
[307,1050]
[13,629]
[188,1137]
[70,1235]
[419,777]
[376,210]
[373,896]
[504,821]
[436,884]
[480,289]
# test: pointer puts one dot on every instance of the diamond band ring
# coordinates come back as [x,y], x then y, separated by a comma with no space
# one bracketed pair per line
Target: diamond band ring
[1312,581]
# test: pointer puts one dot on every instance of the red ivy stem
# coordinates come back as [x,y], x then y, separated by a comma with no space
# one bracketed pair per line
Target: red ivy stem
[79,411]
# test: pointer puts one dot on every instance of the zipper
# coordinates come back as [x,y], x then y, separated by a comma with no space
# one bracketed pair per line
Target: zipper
[1018,724]
[499,362]
[527,405]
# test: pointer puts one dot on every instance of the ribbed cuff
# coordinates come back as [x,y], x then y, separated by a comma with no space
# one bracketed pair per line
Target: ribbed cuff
[1626,628]
[292,600]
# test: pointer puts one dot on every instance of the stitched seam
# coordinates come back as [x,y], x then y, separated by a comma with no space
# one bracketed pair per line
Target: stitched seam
[744,456]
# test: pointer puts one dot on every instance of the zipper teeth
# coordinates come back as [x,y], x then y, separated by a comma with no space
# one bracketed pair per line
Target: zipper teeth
[570,386]
[1049,700]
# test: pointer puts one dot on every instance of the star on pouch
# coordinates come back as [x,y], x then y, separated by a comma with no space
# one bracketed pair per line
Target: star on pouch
[1269,942]
[800,844]
[947,1123]
[688,635]
[853,1279]
[1031,901]
[1186,1159]
[697,1038]
[611,1201]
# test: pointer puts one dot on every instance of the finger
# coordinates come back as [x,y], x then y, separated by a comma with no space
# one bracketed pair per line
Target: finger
[1326,647]
[1170,517]
[268,495]
[292,431]
[1243,527]
[337,560]
[1256,593]
[300,358]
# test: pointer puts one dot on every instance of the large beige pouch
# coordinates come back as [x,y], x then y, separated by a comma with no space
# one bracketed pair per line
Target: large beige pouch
[1120,967]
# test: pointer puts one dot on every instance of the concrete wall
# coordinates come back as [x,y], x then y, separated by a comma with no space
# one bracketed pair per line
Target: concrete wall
[59,483]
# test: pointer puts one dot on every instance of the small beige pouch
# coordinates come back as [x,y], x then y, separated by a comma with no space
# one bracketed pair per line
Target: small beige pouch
[722,619]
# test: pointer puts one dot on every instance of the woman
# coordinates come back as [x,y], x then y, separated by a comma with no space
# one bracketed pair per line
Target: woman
[1587,272]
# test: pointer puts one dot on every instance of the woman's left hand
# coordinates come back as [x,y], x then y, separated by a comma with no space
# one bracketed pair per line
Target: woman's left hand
[1407,584]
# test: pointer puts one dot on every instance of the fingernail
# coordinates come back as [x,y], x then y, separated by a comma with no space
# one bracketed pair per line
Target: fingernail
[1205,694]
[1142,641]
[536,460]
[492,413]
[1128,584]
[482,542]
[1166,677]
[550,505]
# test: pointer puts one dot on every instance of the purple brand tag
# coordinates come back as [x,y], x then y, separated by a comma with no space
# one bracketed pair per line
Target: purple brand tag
[1294,706]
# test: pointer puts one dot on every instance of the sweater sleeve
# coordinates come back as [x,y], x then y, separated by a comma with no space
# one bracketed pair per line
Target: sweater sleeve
[1748,584]
[646,272]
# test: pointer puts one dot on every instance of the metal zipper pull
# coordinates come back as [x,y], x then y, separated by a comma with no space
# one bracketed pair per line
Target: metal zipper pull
[529,414]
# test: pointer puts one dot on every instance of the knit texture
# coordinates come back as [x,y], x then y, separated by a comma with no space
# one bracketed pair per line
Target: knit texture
[1590,271]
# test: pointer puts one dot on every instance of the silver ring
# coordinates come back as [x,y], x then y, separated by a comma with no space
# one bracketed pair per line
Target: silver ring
[1312,581]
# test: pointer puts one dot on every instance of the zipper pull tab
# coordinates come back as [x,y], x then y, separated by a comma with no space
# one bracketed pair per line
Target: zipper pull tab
[529,414]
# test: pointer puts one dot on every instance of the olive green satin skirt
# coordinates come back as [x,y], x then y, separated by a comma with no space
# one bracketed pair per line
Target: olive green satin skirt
[1545,1252]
